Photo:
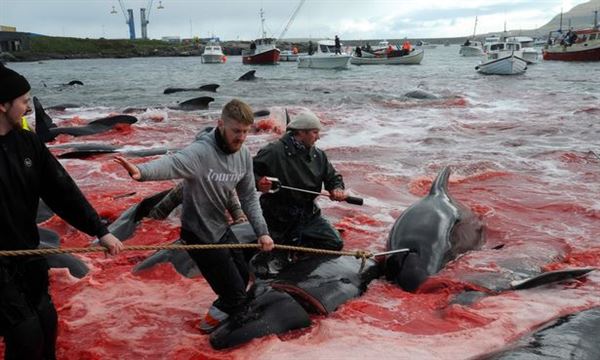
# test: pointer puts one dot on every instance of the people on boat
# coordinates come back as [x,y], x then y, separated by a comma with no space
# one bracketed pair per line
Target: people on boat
[406,47]
[212,167]
[368,48]
[28,172]
[338,46]
[252,46]
[467,43]
[389,50]
[294,50]
[293,217]
[358,51]
[311,49]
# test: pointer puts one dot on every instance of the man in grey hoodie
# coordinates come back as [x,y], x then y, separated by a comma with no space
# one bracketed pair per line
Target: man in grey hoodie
[213,166]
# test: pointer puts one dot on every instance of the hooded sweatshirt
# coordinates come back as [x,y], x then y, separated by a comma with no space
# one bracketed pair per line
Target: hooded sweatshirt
[210,175]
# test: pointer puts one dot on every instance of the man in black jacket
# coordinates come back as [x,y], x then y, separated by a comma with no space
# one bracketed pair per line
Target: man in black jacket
[28,171]
[293,217]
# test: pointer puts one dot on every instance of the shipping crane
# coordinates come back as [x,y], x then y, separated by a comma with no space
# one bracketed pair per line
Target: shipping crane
[144,18]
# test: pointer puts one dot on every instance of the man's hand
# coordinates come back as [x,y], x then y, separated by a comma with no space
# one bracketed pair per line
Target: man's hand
[111,243]
[133,170]
[266,243]
[264,184]
[338,194]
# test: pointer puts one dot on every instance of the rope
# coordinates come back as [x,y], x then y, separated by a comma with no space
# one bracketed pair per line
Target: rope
[359,254]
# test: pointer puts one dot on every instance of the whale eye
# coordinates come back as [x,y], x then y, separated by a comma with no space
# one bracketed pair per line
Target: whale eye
[345,280]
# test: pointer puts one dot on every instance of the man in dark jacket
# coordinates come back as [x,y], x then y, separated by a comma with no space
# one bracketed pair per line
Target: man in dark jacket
[293,217]
[28,171]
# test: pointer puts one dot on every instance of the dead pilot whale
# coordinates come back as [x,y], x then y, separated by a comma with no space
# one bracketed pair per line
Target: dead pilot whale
[47,130]
[207,87]
[436,230]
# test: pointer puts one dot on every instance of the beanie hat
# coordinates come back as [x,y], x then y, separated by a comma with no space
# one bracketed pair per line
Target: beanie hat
[305,120]
[12,85]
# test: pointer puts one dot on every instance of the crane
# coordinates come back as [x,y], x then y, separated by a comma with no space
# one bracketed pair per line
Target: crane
[128,19]
[144,18]
[289,23]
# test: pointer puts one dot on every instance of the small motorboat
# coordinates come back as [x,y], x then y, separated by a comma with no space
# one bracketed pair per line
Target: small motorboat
[502,58]
[213,53]
[324,58]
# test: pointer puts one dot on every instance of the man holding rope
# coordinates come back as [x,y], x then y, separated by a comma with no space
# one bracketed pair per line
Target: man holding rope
[293,217]
[28,171]
[213,166]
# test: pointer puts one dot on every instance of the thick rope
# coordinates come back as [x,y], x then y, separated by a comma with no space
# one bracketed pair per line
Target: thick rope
[359,254]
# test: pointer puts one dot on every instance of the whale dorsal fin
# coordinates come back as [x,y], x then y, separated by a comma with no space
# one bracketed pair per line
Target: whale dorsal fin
[440,184]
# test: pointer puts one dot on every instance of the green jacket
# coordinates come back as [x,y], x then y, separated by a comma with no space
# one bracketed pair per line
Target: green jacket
[305,169]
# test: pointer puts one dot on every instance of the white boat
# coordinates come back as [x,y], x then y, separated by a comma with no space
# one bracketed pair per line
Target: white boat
[413,58]
[213,53]
[472,47]
[289,55]
[503,58]
[324,58]
[530,53]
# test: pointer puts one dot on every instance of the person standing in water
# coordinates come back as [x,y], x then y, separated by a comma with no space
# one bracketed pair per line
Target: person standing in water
[212,167]
[28,172]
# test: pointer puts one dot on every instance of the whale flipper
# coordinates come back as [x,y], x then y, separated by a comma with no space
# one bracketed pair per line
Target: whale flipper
[550,277]
[124,226]
[180,259]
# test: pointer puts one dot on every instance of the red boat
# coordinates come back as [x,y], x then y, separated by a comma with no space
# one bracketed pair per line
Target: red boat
[262,52]
[578,45]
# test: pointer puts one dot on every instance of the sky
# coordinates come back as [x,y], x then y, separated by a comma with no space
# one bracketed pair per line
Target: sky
[240,19]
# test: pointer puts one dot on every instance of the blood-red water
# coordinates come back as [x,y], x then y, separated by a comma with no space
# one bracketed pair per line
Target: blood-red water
[529,168]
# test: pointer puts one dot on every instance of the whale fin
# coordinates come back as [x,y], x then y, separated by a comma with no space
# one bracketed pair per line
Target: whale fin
[125,224]
[249,76]
[209,87]
[43,122]
[111,121]
[199,103]
[440,184]
[261,113]
[550,277]
[63,107]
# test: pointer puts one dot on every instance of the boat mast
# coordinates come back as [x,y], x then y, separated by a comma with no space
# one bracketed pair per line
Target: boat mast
[262,23]
[475,28]
[595,19]
[560,26]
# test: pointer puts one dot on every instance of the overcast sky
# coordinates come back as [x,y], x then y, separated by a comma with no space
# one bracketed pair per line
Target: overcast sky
[240,19]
